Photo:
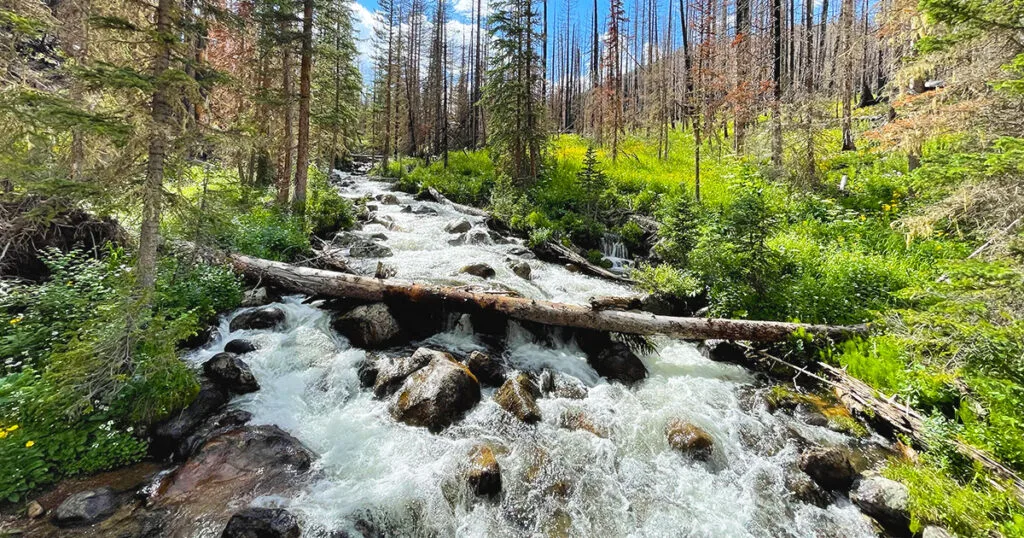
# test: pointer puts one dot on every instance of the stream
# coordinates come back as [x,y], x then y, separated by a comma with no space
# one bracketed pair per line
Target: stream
[379,477]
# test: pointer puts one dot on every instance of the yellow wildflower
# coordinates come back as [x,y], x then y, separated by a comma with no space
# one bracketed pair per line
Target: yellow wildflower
[12,428]
[3,434]
[28,444]
[885,207]
[862,217]
[16,320]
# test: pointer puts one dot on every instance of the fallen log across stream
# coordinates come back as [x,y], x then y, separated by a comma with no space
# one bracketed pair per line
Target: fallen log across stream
[331,284]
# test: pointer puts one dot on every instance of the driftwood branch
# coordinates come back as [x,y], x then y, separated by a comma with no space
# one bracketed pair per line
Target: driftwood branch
[553,252]
[331,284]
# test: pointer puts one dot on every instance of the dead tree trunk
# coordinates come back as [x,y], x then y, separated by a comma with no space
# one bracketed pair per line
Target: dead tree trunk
[330,284]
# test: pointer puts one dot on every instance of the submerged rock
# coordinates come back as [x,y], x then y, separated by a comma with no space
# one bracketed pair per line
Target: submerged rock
[368,326]
[579,420]
[437,394]
[268,317]
[518,397]
[167,435]
[239,346]
[689,439]
[486,369]
[458,226]
[481,270]
[885,501]
[618,363]
[387,199]
[368,249]
[86,508]
[806,490]
[215,426]
[484,474]
[392,372]
[262,523]
[520,268]
[419,210]
[232,373]
[829,467]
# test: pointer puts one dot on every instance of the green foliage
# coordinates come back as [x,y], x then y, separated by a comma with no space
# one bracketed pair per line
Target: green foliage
[327,211]
[665,279]
[270,234]
[87,366]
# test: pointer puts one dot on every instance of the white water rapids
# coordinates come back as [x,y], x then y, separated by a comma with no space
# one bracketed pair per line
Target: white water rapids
[379,477]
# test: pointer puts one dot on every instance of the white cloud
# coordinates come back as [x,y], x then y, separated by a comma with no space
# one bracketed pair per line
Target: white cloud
[466,7]
[364,23]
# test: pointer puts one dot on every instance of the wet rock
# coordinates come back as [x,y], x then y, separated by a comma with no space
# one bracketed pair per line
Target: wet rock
[35,510]
[932,531]
[392,372]
[379,236]
[458,226]
[806,490]
[568,387]
[212,427]
[419,210]
[487,369]
[885,501]
[436,395]
[256,297]
[520,268]
[262,523]
[572,268]
[484,474]
[368,370]
[200,339]
[656,305]
[368,249]
[167,435]
[579,420]
[257,460]
[268,317]
[368,326]
[481,270]
[689,439]
[522,252]
[829,467]
[387,199]
[239,346]
[618,363]
[345,240]
[723,351]
[496,237]
[472,237]
[232,373]
[518,397]
[86,508]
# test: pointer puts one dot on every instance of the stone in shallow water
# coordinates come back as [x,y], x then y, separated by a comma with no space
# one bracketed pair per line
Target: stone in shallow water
[518,397]
[520,268]
[269,317]
[487,369]
[436,395]
[239,346]
[392,372]
[368,326]
[458,226]
[689,439]
[829,467]
[484,474]
[368,249]
[231,373]
[618,363]
[168,435]
[262,523]
[481,270]
[85,508]
[885,501]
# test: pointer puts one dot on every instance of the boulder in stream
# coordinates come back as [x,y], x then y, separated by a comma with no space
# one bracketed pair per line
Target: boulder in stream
[232,373]
[618,363]
[487,369]
[458,226]
[518,396]
[262,523]
[437,394]
[387,199]
[268,317]
[368,249]
[257,297]
[520,268]
[472,237]
[829,467]
[86,508]
[885,501]
[169,434]
[481,270]
[239,346]
[368,326]
[578,420]
[392,372]
[484,474]
[689,439]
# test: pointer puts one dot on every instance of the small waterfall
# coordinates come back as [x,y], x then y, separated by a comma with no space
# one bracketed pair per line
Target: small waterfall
[615,251]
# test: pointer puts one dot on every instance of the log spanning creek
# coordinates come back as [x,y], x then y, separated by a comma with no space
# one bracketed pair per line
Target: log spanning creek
[585,457]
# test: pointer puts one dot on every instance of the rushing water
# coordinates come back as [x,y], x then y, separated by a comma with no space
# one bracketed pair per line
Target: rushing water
[615,252]
[396,480]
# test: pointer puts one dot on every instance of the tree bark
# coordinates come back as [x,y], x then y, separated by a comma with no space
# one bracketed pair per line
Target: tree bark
[330,284]
[284,178]
[305,80]
[152,192]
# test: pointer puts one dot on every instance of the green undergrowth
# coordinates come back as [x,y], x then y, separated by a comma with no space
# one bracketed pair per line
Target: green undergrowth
[88,365]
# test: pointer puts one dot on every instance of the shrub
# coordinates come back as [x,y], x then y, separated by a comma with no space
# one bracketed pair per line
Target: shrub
[327,211]
[270,234]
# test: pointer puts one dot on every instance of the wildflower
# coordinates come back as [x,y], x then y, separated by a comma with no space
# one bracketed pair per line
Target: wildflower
[3,434]
[17,320]
[12,428]
[863,218]
[886,207]
[29,444]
